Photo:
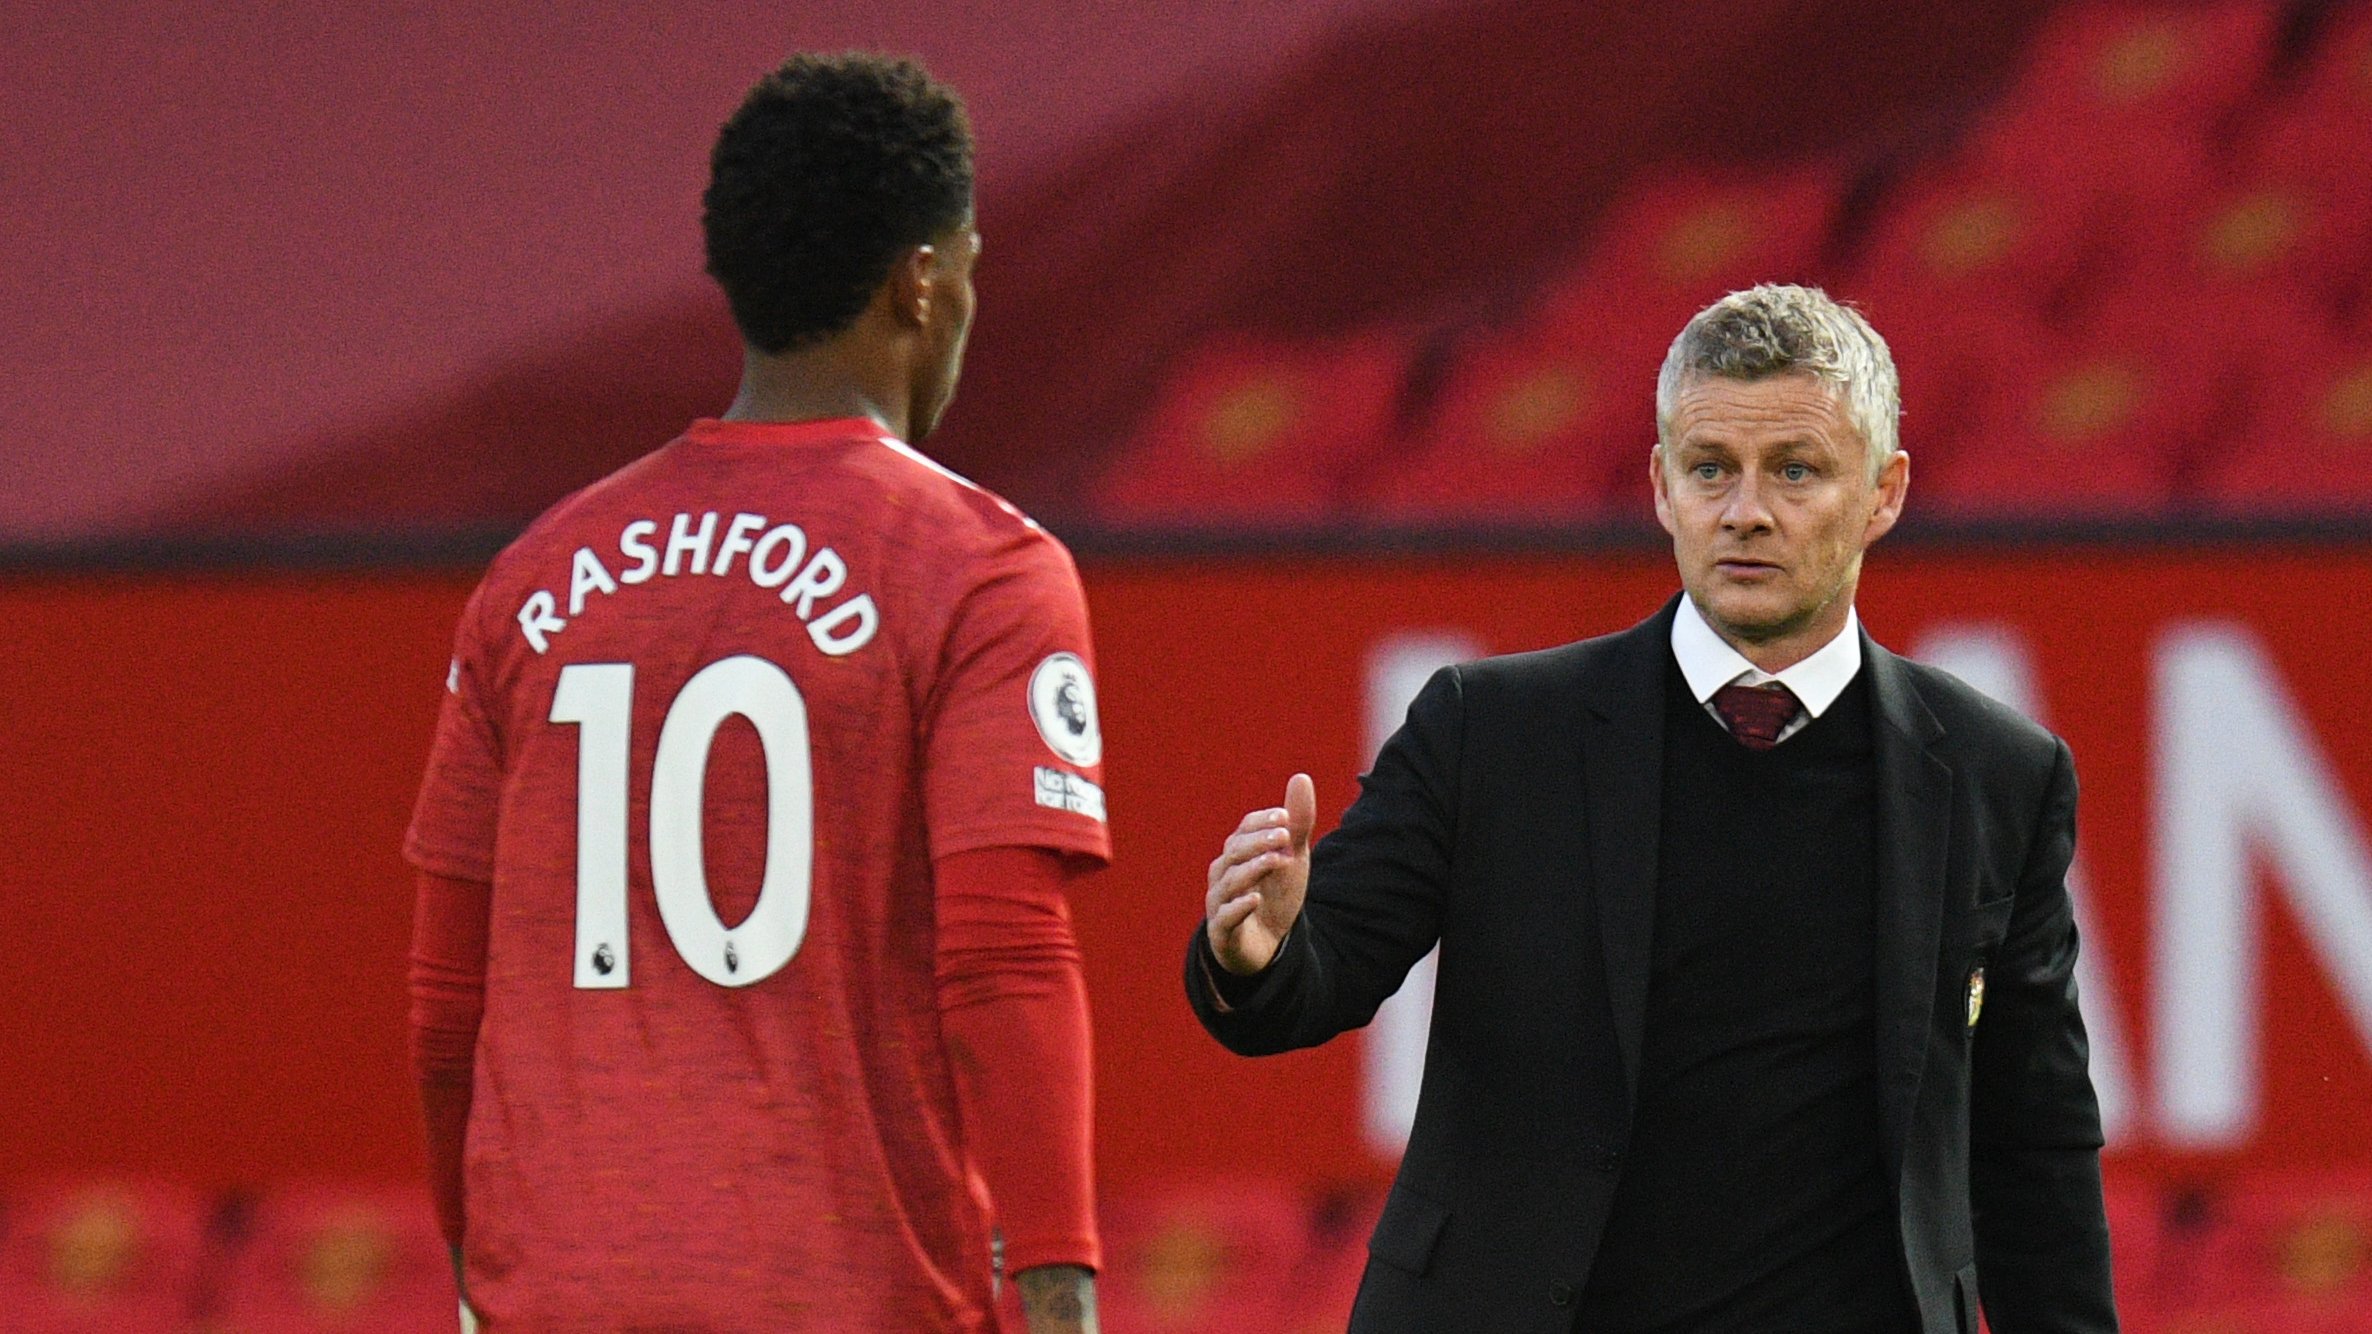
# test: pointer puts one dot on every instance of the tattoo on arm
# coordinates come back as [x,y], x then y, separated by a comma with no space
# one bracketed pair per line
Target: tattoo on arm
[1058,1297]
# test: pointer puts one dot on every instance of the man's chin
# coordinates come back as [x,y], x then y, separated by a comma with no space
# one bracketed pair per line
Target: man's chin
[1751,619]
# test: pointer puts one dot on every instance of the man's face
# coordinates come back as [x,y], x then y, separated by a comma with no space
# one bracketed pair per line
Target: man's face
[950,323]
[1766,491]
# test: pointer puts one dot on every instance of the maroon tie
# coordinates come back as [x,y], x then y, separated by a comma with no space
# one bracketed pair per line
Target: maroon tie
[1756,714]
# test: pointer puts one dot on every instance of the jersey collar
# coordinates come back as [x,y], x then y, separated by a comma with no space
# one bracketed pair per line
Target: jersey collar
[716,430]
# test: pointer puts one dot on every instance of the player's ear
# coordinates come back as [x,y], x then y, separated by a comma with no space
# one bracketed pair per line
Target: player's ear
[910,285]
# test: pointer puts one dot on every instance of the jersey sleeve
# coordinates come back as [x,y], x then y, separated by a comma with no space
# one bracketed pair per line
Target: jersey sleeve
[1014,755]
[453,822]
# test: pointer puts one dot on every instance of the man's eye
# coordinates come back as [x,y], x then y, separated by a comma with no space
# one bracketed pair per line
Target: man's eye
[1795,472]
[1706,472]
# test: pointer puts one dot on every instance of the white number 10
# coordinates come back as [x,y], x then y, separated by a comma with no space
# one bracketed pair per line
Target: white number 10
[599,697]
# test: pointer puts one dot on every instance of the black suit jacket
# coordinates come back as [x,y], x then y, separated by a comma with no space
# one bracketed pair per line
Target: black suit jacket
[1515,819]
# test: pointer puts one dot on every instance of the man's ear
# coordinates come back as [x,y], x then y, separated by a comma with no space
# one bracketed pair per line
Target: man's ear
[1661,483]
[910,285]
[1893,487]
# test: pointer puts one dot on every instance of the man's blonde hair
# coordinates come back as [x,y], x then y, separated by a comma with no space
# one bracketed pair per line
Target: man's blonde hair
[1781,329]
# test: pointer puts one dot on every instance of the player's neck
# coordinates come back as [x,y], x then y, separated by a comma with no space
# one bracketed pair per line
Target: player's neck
[817,383]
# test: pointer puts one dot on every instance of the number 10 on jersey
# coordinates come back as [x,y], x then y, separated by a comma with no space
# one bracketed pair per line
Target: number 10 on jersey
[599,698]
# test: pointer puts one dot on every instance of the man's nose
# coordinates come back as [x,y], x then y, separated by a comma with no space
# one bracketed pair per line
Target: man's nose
[1745,511]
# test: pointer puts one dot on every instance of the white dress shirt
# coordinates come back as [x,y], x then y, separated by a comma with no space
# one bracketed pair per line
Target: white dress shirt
[1708,663]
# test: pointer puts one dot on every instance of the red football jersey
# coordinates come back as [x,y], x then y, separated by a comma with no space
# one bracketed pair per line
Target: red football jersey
[708,723]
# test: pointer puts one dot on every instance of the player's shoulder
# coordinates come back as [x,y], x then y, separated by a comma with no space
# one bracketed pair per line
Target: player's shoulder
[951,498]
[959,524]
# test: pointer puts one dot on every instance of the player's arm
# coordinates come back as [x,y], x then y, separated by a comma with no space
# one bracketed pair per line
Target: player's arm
[448,989]
[1013,1010]
[451,841]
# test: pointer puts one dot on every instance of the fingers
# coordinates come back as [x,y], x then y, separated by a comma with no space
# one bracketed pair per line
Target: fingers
[1242,847]
[1238,879]
[1232,915]
[1301,810]
[1264,842]
[1272,817]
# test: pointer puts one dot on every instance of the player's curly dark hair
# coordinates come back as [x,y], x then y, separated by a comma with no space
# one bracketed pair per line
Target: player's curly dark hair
[833,166]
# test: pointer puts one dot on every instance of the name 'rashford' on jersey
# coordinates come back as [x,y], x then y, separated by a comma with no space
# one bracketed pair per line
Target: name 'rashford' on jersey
[709,721]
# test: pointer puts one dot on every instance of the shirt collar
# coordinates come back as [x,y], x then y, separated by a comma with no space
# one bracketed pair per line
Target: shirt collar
[1709,663]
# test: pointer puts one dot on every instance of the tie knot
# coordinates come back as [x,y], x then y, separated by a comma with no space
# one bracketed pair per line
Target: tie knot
[1756,714]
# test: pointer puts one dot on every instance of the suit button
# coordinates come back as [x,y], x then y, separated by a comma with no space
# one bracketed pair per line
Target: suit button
[1561,1293]
[1609,1159]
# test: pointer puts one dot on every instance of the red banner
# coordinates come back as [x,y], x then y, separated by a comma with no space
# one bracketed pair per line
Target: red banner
[204,779]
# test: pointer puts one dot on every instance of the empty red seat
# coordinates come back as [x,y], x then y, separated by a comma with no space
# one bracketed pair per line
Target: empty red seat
[1969,231]
[320,1258]
[2337,81]
[2092,423]
[2300,1242]
[1947,355]
[1252,429]
[1337,1257]
[102,1257]
[2137,196]
[2298,210]
[1546,422]
[2302,442]
[2287,221]
[2304,445]
[2102,70]
[2276,229]
[1672,245]
[1189,1259]
[2122,104]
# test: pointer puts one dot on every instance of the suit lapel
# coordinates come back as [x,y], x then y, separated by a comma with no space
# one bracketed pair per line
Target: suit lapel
[1623,768]
[1914,822]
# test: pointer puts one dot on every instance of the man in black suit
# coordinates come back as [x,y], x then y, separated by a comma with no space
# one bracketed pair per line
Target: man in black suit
[1756,1009]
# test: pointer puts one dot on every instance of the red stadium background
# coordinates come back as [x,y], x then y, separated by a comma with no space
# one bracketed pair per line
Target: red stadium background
[233,863]
[1326,328]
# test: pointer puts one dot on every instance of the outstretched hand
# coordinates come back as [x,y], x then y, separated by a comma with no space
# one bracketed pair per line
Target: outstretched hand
[1257,883]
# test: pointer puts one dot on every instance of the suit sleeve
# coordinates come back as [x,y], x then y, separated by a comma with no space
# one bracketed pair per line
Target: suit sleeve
[2035,1139]
[1378,887]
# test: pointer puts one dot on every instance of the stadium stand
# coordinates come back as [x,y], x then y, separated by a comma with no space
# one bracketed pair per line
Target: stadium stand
[2268,1252]
[317,1258]
[2305,443]
[2128,67]
[2137,284]
[2140,274]
[1537,423]
[1251,429]
[1207,1256]
[1964,232]
[99,1256]
[1674,243]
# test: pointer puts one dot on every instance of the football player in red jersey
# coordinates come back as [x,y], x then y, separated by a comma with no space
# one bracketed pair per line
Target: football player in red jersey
[745,995]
